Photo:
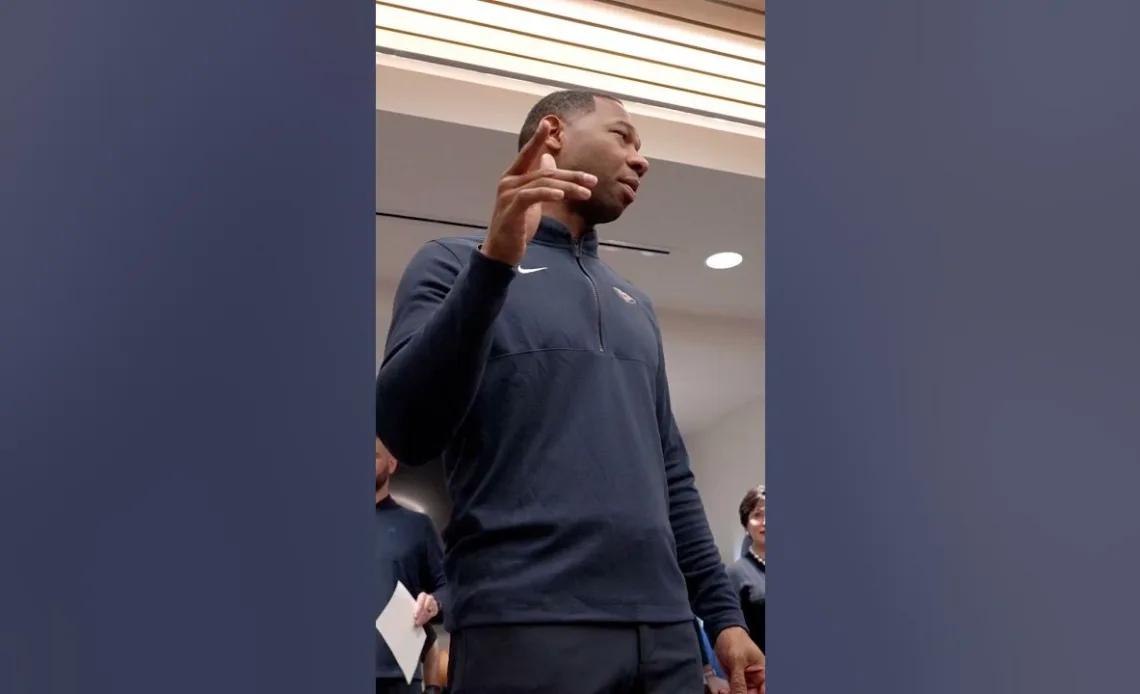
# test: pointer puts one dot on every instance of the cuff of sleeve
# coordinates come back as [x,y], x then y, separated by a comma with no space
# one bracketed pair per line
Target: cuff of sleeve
[481,291]
[441,596]
[489,271]
[714,626]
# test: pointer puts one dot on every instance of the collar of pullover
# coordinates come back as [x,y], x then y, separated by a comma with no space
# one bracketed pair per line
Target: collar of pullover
[553,233]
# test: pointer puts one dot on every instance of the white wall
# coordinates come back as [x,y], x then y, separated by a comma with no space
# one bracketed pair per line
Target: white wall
[728,458]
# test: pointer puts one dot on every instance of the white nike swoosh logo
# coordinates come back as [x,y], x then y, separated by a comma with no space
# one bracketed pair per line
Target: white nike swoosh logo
[527,271]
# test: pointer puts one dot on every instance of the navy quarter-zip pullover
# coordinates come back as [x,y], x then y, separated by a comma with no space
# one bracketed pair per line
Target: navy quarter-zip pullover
[544,390]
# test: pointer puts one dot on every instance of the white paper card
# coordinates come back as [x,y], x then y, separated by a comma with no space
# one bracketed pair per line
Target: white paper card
[397,626]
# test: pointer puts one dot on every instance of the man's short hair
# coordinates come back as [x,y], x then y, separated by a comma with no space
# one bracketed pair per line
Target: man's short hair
[565,104]
[751,500]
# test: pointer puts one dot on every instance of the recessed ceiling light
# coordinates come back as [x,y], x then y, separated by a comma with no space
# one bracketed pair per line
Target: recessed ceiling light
[724,261]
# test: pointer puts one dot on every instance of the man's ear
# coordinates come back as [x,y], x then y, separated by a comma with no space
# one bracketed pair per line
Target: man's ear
[557,135]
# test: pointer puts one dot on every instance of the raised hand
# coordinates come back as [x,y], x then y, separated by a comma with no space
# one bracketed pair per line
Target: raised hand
[531,180]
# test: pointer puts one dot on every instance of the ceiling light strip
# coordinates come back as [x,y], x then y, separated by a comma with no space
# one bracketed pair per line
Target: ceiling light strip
[388,60]
[641,23]
[713,14]
[559,54]
[527,68]
[602,39]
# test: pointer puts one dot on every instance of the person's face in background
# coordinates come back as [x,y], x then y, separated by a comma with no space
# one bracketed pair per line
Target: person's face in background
[385,465]
[757,526]
[604,143]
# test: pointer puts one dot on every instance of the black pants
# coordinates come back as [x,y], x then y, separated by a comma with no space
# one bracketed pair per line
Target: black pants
[576,659]
[399,686]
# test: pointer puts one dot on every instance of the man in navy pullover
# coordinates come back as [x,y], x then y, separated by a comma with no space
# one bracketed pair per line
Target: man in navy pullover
[578,550]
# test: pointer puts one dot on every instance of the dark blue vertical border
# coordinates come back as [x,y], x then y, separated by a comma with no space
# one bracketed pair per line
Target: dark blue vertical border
[186,347]
[953,346]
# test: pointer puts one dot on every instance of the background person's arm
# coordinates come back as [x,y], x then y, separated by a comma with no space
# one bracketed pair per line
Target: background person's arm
[433,579]
[437,348]
[433,671]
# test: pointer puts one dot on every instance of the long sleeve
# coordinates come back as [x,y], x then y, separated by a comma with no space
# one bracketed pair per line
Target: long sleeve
[434,580]
[711,592]
[437,349]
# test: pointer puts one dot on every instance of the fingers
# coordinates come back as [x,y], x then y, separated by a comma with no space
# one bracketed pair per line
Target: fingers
[544,186]
[526,185]
[423,612]
[525,198]
[529,153]
[755,677]
[569,189]
[550,176]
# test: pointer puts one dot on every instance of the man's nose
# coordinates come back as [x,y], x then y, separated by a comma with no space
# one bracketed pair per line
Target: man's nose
[639,164]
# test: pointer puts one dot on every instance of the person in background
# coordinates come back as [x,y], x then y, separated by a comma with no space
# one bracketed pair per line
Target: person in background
[748,573]
[578,550]
[408,551]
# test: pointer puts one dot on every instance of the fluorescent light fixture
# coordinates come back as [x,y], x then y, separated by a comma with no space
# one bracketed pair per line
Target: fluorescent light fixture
[736,16]
[645,23]
[569,42]
[724,261]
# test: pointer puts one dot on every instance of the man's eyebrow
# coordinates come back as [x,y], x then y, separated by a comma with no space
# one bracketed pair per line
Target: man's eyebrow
[621,122]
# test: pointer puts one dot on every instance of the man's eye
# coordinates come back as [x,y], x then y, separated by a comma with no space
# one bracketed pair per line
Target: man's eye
[624,137]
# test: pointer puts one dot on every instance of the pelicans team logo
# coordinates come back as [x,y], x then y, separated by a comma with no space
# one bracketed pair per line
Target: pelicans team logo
[625,297]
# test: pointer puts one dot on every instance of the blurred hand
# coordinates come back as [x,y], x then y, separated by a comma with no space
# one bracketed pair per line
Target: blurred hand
[716,685]
[426,609]
[742,660]
[531,180]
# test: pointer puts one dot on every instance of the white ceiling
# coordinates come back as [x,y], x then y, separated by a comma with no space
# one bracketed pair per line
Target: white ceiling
[712,320]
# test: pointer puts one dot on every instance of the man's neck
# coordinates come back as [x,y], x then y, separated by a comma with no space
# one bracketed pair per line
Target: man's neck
[382,493]
[573,222]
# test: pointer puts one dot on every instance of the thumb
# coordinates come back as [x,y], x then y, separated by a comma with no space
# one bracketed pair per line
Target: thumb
[546,161]
[737,684]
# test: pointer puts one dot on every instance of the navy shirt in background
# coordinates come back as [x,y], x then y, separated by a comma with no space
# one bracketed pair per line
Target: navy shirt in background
[544,390]
[750,579]
[409,551]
